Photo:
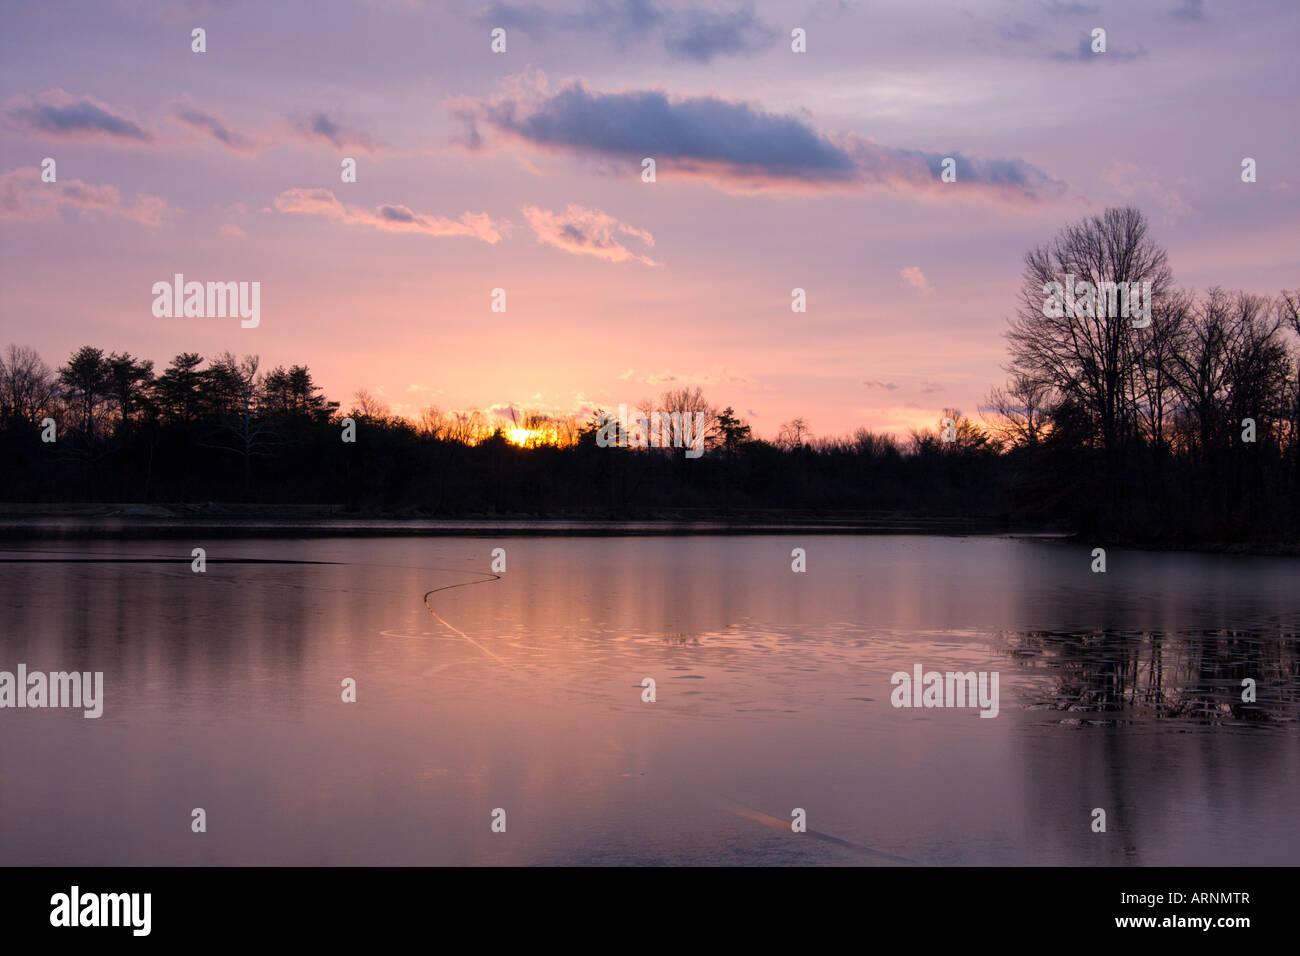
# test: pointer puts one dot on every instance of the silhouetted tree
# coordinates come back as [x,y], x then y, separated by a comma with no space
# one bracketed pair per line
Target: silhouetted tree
[129,381]
[86,384]
[734,431]
[1088,354]
[178,391]
[28,388]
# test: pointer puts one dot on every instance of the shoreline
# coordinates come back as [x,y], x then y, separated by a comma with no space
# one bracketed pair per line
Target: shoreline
[135,521]
[121,522]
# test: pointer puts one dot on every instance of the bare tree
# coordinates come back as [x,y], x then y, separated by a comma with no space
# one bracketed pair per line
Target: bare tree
[1154,390]
[365,405]
[875,444]
[28,388]
[793,434]
[1200,369]
[432,423]
[1088,354]
[1288,309]
[690,402]
[468,428]
[1258,363]
[1018,413]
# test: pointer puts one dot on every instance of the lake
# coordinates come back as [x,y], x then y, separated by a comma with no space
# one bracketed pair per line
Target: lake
[223,690]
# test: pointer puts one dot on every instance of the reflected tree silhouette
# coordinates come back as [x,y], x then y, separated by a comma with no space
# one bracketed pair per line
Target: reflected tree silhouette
[1109,677]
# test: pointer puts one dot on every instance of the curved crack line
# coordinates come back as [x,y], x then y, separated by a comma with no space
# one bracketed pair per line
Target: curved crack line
[452,627]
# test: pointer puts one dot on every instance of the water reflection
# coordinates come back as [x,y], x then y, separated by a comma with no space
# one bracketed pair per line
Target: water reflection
[1118,677]
[1119,691]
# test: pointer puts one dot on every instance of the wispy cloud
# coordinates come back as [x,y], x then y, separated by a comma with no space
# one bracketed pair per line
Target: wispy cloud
[886,386]
[390,218]
[59,114]
[700,35]
[212,127]
[1018,31]
[1131,183]
[692,33]
[1060,8]
[321,128]
[587,232]
[732,144]
[914,277]
[23,196]
[530,19]
[1189,10]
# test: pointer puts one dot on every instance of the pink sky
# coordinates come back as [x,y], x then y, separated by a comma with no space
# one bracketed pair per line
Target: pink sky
[522,171]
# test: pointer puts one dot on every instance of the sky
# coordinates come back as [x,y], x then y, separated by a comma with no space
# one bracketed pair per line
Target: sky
[522,171]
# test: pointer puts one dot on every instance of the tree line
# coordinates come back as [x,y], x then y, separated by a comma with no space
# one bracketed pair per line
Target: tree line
[226,432]
[1182,429]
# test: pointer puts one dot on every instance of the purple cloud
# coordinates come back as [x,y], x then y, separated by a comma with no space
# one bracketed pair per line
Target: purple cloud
[1189,10]
[197,119]
[700,35]
[319,126]
[58,113]
[733,144]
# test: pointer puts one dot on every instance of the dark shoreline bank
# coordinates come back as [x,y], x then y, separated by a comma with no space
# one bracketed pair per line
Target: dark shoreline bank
[125,522]
[73,522]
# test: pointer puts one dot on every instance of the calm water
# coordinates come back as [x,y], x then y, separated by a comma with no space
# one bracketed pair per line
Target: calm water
[1119,690]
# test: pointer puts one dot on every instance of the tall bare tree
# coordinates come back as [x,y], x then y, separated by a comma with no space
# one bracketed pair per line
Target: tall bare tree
[1088,355]
[28,387]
